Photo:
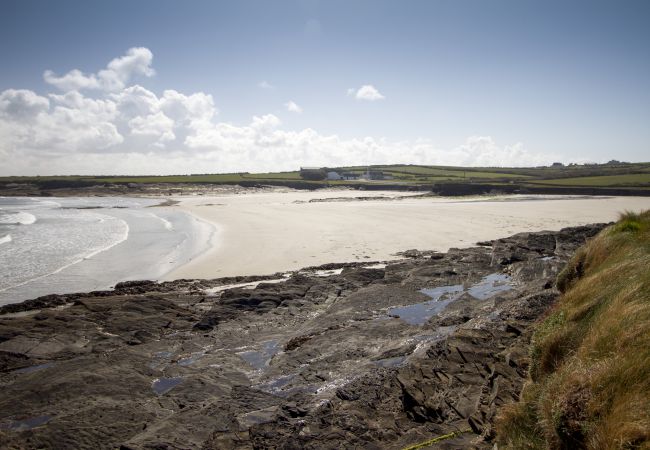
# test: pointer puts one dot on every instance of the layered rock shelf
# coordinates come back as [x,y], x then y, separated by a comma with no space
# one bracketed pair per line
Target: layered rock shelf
[371,355]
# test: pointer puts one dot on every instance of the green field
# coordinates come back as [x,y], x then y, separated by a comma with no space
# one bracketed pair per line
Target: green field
[623,175]
[416,173]
[635,179]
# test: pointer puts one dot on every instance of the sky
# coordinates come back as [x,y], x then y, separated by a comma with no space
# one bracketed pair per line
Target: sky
[175,87]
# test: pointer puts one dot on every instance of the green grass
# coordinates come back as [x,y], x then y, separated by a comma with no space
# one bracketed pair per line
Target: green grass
[274,176]
[636,176]
[590,358]
[436,172]
[634,179]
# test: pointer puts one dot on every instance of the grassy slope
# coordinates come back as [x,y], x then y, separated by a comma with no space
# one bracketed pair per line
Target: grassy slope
[590,358]
[415,171]
[633,179]
[627,175]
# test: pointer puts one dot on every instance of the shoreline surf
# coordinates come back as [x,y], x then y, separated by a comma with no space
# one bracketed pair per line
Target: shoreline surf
[151,245]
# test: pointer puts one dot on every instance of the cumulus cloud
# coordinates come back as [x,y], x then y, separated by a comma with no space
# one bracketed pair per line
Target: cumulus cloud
[128,129]
[136,61]
[22,104]
[156,125]
[366,92]
[293,107]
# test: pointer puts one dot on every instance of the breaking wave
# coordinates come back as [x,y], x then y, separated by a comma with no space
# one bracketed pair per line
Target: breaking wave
[18,218]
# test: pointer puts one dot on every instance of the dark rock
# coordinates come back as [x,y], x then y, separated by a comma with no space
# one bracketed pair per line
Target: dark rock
[296,342]
[309,362]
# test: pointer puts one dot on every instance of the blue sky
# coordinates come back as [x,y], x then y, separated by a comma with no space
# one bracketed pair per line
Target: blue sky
[514,82]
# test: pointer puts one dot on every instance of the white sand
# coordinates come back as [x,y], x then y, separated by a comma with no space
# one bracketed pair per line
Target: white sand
[264,233]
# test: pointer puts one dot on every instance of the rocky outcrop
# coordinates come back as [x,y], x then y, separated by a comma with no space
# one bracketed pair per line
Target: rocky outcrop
[341,356]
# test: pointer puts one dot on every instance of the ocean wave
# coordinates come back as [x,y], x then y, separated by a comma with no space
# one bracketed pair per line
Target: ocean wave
[166,223]
[19,218]
[42,202]
[77,260]
[5,239]
[121,239]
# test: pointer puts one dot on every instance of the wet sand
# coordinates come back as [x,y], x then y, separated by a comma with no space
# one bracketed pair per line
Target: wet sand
[264,233]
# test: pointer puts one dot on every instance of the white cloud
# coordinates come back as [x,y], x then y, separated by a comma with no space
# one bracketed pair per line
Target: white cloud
[71,81]
[293,107]
[366,92]
[156,125]
[265,85]
[118,72]
[132,130]
[21,104]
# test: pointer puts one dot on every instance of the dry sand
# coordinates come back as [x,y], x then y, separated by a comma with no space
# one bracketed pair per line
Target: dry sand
[263,233]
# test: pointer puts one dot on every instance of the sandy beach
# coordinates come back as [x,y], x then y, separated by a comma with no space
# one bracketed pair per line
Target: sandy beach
[263,233]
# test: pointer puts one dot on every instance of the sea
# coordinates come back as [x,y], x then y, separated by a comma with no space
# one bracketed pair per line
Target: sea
[62,245]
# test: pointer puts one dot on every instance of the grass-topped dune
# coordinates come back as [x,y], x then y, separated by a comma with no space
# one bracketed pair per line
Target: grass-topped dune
[589,381]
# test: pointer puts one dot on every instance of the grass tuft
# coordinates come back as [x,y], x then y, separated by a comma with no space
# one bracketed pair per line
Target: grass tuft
[590,358]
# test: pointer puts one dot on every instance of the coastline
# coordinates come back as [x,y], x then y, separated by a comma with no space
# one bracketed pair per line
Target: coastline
[263,232]
[268,232]
[155,242]
[231,362]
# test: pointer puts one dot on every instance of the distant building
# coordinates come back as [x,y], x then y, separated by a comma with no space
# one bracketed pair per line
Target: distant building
[375,175]
[557,164]
[323,173]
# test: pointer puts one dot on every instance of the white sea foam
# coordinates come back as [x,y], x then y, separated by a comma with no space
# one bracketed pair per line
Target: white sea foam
[78,248]
[77,260]
[43,202]
[5,239]
[121,239]
[18,218]
[166,223]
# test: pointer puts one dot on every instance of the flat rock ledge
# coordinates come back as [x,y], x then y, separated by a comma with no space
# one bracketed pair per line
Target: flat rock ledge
[372,355]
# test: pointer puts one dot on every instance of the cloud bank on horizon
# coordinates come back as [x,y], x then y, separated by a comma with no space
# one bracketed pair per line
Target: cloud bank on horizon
[106,123]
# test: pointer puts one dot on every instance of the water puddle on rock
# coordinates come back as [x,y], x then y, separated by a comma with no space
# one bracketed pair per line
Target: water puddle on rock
[36,368]
[391,362]
[324,273]
[213,292]
[442,296]
[282,386]
[490,285]
[160,360]
[276,385]
[419,313]
[163,385]
[188,361]
[260,359]
[260,416]
[26,424]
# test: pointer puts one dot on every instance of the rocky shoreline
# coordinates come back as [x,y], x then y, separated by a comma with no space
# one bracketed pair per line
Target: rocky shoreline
[371,355]
[76,188]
